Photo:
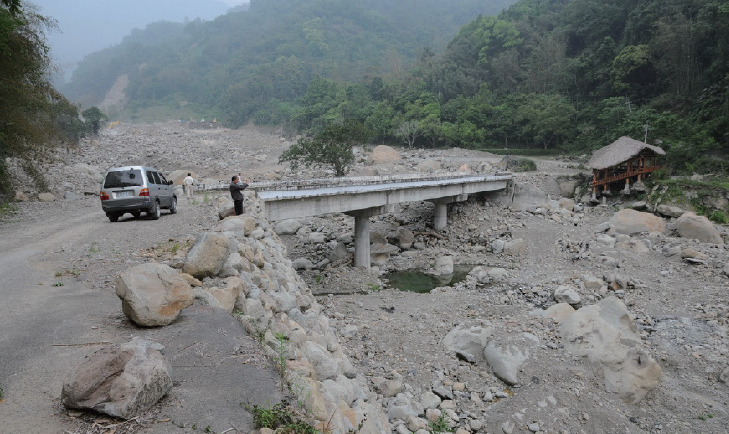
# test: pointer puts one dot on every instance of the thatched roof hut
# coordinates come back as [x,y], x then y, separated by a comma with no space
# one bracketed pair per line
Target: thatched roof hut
[619,152]
[625,161]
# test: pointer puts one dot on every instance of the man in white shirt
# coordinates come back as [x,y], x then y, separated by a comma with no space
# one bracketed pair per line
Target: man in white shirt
[187,183]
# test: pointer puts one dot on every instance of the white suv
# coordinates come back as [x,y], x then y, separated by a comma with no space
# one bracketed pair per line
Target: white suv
[134,189]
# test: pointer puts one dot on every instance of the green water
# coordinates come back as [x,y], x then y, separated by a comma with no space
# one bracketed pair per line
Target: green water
[416,281]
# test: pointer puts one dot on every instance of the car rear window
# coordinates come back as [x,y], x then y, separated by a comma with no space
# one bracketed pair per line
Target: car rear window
[124,178]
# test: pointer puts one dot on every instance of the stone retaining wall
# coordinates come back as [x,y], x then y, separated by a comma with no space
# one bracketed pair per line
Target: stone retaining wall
[245,269]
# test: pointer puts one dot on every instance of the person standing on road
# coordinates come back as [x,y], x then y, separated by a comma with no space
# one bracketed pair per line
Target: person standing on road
[236,192]
[187,182]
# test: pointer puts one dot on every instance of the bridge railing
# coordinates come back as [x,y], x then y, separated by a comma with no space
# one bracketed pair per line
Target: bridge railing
[304,184]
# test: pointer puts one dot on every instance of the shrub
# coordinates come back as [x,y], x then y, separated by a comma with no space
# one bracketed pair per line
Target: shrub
[280,418]
[719,217]
[524,165]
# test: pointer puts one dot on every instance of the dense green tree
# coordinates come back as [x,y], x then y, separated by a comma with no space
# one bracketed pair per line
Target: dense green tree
[330,149]
[381,120]
[319,104]
[94,118]
[545,119]
[33,115]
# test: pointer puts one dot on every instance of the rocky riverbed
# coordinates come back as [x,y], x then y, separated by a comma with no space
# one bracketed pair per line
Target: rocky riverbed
[574,318]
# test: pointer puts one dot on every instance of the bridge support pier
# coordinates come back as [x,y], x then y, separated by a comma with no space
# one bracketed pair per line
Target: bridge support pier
[362,234]
[440,219]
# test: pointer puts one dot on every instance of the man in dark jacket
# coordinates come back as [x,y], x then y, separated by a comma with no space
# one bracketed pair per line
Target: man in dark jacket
[236,192]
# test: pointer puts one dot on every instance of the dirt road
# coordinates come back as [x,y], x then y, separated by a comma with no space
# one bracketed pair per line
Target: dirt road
[58,264]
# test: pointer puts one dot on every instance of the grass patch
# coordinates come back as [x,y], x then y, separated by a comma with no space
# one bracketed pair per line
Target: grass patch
[67,272]
[695,194]
[524,165]
[716,183]
[283,419]
[719,217]
[282,354]
[439,425]
[7,208]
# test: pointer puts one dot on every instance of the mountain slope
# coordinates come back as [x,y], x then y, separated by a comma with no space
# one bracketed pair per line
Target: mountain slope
[270,51]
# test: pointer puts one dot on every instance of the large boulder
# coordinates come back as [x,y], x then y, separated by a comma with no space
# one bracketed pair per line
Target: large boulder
[121,381]
[507,353]
[241,226]
[567,294]
[287,227]
[20,196]
[207,256]
[669,211]
[521,196]
[605,333]
[690,225]
[468,340]
[223,297]
[515,247]
[402,237]
[224,206]
[629,222]
[429,166]
[153,294]
[46,197]
[567,187]
[384,154]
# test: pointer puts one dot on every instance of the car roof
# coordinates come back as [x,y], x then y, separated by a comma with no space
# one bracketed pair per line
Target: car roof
[123,168]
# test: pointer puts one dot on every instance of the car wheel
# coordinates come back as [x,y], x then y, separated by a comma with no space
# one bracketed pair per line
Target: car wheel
[136,214]
[154,211]
[173,206]
[113,217]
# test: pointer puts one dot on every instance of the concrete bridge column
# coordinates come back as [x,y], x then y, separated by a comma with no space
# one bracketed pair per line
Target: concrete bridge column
[362,234]
[440,219]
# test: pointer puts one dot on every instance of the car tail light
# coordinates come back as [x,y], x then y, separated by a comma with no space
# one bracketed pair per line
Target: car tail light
[144,192]
[103,196]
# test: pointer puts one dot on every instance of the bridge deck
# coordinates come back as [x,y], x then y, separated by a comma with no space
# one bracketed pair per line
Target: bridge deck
[283,204]
[373,187]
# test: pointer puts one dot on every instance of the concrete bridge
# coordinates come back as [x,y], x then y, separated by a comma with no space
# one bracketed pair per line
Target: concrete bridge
[365,197]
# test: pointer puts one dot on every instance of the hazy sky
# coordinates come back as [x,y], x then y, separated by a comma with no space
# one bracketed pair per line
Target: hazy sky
[86,26]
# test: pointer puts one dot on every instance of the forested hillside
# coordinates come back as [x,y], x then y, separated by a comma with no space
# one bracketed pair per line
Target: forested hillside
[234,66]
[560,75]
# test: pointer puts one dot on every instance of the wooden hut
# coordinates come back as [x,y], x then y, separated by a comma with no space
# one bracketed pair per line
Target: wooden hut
[625,160]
